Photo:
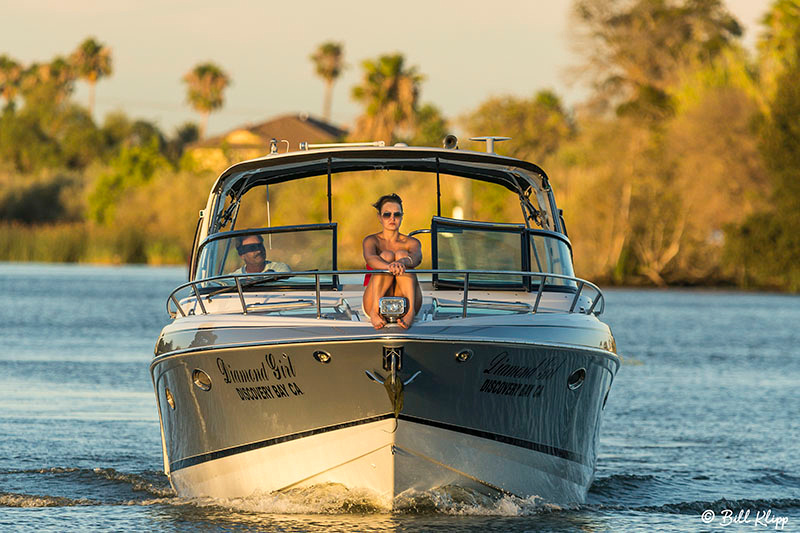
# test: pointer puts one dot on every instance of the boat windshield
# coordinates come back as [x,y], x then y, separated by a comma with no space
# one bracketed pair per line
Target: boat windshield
[550,254]
[466,245]
[280,249]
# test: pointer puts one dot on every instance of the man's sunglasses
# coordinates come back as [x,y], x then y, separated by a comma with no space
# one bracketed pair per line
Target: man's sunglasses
[388,214]
[246,248]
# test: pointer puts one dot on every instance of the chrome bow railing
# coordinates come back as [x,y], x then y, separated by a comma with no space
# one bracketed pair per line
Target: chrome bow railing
[236,284]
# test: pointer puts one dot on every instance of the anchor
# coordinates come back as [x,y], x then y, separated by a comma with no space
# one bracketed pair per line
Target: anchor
[393,361]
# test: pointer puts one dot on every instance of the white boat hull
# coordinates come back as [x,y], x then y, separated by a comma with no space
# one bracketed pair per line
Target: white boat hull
[389,458]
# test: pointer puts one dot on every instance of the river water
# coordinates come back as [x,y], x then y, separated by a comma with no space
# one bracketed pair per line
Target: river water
[704,416]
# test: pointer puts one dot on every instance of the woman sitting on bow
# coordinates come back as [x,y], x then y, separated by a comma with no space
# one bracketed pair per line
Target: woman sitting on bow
[391,250]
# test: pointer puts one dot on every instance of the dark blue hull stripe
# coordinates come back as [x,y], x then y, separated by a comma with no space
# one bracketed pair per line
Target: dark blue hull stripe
[505,439]
[227,452]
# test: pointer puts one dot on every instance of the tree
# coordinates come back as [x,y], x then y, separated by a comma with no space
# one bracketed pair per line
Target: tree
[715,164]
[779,45]
[47,85]
[765,248]
[430,128]
[25,145]
[205,84]
[389,92]
[596,171]
[10,78]
[185,134]
[91,61]
[133,167]
[536,125]
[635,51]
[328,63]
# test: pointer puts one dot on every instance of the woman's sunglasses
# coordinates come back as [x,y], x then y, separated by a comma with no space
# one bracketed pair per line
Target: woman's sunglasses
[388,214]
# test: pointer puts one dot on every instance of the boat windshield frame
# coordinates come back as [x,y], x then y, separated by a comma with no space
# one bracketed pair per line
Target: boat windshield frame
[541,217]
[526,180]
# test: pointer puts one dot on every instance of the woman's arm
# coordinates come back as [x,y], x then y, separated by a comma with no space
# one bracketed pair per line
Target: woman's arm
[414,253]
[372,254]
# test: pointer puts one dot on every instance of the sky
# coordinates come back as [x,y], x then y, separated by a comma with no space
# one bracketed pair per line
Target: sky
[468,50]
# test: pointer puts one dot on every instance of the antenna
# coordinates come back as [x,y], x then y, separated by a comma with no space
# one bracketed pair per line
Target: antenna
[490,142]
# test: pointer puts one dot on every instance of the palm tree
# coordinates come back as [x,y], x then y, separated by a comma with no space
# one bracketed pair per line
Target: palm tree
[91,61]
[328,62]
[10,78]
[389,93]
[47,84]
[204,86]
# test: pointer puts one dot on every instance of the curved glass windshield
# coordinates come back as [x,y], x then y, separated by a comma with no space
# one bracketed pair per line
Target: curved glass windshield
[551,255]
[467,245]
[461,247]
[271,250]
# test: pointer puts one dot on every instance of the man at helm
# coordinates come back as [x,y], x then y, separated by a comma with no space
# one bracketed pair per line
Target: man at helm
[254,255]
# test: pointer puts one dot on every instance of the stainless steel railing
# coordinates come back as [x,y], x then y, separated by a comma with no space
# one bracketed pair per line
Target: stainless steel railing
[235,284]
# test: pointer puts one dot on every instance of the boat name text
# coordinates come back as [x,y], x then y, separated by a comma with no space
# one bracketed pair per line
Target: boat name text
[500,366]
[269,392]
[272,368]
[506,388]
[544,370]
[277,367]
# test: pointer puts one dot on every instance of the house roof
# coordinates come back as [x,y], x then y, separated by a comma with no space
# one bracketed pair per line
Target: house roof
[295,128]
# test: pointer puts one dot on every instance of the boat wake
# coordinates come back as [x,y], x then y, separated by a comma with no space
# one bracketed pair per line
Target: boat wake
[71,487]
[645,493]
[68,487]
[11,499]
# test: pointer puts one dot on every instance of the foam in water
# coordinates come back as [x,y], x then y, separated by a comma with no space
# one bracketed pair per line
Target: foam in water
[332,498]
[453,500]
[328,498]
[11,499]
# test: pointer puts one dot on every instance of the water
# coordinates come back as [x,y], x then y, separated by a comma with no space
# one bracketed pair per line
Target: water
[704,415]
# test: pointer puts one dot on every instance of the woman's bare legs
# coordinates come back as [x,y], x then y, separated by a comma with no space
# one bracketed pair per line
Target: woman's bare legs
[407,285]
[379,285]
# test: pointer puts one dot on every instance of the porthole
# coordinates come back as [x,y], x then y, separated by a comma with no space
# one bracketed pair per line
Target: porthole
[201,379]
[576,379]
[464,355]
[170,399]
[322,356]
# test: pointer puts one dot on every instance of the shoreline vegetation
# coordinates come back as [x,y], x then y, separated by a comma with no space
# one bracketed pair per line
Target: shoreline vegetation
[681,168]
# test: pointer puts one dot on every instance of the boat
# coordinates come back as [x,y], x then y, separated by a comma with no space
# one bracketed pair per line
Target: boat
[276,381]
